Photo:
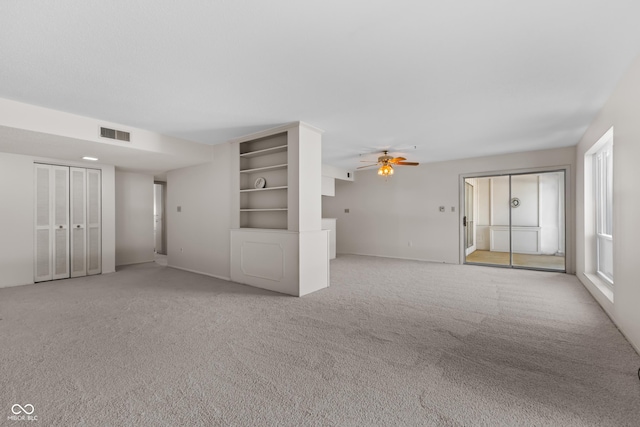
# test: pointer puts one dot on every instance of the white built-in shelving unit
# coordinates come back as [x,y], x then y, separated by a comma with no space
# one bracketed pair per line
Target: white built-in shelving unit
[277,241]
[266,158]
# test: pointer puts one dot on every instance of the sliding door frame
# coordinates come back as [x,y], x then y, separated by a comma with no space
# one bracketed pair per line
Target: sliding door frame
[568,214]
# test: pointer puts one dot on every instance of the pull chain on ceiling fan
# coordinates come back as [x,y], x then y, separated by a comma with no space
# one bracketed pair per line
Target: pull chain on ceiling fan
[386,163]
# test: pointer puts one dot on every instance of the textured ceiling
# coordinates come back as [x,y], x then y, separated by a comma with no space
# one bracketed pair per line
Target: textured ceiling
[456,79]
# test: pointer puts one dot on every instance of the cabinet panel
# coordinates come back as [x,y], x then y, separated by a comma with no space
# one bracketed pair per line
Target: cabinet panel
[265,259]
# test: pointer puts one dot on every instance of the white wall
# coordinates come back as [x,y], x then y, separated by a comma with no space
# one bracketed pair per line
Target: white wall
[499,201]
[16,220]
[621,112]
[524,187]
[134,218]
[16,217]
[198,237]
[400,217]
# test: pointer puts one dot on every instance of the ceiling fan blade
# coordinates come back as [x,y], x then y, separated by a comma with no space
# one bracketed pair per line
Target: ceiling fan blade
[367,166]
[408,163]
[397,159]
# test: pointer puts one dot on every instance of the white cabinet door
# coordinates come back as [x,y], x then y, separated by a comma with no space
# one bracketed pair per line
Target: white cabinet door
[94,221]
[78,222]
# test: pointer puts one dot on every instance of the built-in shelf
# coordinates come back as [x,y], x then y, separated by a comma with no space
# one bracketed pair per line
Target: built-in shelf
[268,250]
[264,169]
[263,210]
[266,157]
[272,150]
[284,187]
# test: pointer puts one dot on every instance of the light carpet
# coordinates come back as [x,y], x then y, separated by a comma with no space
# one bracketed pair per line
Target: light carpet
[391,342]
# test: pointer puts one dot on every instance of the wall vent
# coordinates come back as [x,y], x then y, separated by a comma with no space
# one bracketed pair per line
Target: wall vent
[120,135]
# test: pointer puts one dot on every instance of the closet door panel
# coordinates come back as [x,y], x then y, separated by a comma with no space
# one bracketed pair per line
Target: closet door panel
[78,222]
[43,256]
[68,235]
[94,221]
[43,219]
[60,208]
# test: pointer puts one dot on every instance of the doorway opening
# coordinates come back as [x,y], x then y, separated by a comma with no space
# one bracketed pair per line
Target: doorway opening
[159,222]
[516,220]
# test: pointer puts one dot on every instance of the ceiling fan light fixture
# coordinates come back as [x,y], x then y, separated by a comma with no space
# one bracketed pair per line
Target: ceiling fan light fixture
[385,170]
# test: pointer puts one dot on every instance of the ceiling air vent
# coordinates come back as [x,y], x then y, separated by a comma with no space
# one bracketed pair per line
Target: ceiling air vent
[115,134]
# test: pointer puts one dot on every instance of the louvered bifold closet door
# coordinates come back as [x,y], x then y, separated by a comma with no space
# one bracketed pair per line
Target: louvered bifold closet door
[94,221]
[78,222]
[60,209]
[43,223]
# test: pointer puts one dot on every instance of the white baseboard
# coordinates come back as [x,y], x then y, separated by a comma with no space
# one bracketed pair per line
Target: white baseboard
[134,263]
[605,301]
[13,285]
[395,257]
[228,279]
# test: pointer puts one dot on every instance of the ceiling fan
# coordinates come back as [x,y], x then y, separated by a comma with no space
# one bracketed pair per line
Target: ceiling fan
[386,163]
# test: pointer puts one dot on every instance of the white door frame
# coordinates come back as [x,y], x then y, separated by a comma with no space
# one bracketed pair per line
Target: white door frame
[471,248]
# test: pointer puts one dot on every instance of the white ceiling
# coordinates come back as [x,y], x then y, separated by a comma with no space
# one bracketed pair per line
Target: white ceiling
[456,79]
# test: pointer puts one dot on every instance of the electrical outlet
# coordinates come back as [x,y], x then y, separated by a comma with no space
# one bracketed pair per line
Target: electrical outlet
[453,208]
[179,208]
[346,211]
[441,208]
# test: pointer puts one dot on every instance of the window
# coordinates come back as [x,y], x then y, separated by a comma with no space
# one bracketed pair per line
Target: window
[603,197]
